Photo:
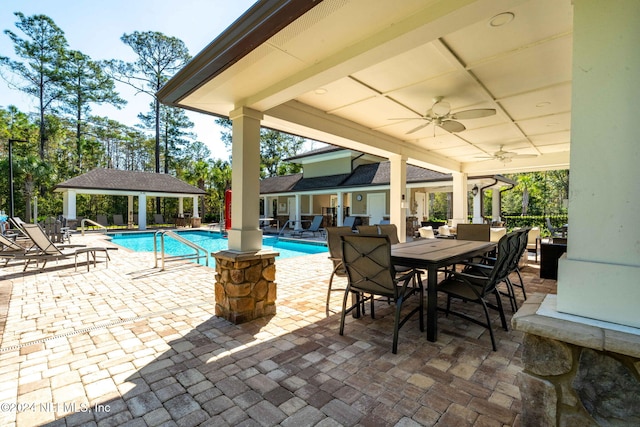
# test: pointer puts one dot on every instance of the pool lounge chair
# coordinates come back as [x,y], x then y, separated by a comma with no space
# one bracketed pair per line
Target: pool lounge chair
[314,228]
[118,220]
[158,219]
[45,249]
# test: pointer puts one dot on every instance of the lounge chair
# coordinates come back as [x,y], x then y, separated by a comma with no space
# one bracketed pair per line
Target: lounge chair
[349,221]
[10,249]
[47,250]
[118,220]
[158,219]
[102,220]
[316,226]
[16,225]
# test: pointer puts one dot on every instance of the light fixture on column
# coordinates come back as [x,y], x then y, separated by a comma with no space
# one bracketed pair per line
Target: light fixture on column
[474,190]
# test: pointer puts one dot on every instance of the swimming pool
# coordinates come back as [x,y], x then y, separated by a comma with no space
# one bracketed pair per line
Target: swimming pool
[212,242]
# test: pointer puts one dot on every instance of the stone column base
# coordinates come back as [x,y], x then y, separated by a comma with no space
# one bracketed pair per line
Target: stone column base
[245,286]
[577,371]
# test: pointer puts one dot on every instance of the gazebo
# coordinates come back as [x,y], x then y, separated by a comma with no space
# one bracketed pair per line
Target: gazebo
[117,182]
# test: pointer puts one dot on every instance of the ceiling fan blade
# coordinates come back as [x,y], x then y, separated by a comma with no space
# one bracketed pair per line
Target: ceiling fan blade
[408,118]
[416,129]
[526,156]
[473,114]
[451,126]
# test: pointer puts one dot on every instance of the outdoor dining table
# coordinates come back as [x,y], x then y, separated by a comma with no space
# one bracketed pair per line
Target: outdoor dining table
[432,255]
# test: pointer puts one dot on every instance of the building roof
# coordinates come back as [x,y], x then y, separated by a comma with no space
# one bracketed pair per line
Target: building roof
[116,180]
[380,174]
[369,174]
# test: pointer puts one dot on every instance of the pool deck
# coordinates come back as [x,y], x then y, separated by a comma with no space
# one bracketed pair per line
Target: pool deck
[128,344]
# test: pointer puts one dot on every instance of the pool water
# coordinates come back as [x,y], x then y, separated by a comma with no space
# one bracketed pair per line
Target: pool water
[212,242]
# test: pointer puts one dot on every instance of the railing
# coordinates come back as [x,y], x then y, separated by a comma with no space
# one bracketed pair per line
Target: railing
[85,220]
[164,258]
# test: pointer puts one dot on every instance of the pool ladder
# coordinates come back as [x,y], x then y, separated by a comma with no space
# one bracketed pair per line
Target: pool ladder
[168,258]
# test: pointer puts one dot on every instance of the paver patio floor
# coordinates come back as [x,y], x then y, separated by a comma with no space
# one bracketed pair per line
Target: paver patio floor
[131,345]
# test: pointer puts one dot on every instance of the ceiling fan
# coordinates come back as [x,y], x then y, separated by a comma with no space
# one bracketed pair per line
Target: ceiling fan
[505,156]
[440,115]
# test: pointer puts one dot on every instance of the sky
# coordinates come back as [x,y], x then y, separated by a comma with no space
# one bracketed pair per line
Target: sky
[95,27]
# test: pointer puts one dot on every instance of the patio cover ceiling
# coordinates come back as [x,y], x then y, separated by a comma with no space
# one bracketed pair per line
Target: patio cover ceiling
[123,183]
[338,71]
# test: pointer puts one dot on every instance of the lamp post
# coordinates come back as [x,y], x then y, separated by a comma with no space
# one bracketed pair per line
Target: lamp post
[11,208]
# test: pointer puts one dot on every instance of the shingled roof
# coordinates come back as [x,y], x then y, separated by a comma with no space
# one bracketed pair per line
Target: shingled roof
[380,174]
[369,174]
[133,181]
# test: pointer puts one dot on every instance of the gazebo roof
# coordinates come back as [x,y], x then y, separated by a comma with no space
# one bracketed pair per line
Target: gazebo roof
[123,182]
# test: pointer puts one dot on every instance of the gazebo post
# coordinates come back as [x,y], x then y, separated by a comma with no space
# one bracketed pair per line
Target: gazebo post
[142,211]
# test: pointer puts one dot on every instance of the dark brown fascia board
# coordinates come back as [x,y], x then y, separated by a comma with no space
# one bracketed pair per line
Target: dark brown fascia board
[259,23]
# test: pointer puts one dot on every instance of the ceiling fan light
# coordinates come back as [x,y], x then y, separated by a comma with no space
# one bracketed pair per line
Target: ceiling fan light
[501,19]
[441,108]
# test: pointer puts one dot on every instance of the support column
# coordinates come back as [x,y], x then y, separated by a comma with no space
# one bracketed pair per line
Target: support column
[496,204]
[339,209]
[130,211]
[599,276]
[398,201]
[69,204]
[460,208]
[477,208]
[142,211]
[180,207]
[245,234]
[298,211]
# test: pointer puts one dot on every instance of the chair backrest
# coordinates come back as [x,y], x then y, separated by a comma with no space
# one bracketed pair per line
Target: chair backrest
[426,232]
[367,260]
[118,219]
[390,230]
[316,223]
[522,247]
[476,232]
[443,230]
[53,229]
[367,229]
[17,222]
[349,221]
[158,219]
[334,242]
[40,239]
[533,236]
[102,220]
[497,233]
[507,250]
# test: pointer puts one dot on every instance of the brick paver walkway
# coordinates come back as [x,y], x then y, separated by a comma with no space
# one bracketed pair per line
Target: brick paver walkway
[131,345]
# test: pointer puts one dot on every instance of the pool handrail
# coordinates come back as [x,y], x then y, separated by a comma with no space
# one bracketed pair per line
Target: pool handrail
[180,239]
[85,220]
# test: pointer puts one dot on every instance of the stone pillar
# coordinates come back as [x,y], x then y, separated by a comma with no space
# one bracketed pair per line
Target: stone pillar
[245,287]
[576,371]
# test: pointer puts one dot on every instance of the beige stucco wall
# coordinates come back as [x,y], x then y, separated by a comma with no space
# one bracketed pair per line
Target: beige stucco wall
[327,167]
